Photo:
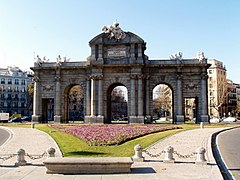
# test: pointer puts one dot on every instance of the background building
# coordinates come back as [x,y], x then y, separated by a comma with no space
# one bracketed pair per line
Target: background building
[217,89]
[232,99]
[14,98]
[238,99]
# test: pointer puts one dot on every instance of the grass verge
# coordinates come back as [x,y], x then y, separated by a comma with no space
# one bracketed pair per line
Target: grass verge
[72,146]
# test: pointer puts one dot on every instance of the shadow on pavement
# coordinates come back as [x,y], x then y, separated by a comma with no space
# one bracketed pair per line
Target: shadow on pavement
[142,170]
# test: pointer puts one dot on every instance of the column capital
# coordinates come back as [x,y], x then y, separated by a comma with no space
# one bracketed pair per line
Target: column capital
[93,77]
[99,77]
[96,77]
[88,78]
[179,76]
[133,76]
[204,76]
[36,79]
[147,77]
[141,76]
[57,78]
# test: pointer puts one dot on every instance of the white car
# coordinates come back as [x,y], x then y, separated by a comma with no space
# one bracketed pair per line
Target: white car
[230,119]
[214,120]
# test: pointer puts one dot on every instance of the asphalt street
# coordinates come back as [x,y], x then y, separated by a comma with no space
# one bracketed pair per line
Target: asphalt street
[229,147]
[4,135]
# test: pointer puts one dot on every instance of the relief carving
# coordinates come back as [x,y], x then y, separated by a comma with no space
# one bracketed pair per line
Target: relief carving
[47,87]
[191,86]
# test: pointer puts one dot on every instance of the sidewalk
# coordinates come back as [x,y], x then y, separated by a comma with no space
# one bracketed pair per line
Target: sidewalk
[36,142]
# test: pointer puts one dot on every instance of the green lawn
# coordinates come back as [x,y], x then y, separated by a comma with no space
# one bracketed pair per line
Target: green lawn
[73,146]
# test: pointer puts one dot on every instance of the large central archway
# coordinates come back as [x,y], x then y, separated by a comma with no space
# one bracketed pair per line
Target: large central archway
[117,104]
[162,103]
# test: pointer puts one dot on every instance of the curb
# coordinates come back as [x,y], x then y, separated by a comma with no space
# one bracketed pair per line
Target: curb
[10,136]
[218,157]
[50,137]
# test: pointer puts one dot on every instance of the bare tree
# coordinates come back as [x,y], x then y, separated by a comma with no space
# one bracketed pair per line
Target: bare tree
[76,99]
[30,97]
[238,104]
[118,103]
[162,99]
[218,97]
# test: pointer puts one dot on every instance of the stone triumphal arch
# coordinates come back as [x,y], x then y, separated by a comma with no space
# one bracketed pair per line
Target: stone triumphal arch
[118,58]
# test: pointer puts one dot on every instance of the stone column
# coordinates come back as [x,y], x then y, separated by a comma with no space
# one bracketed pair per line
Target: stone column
[140,96]
[93,53]
[140,118]
[36,100]
[57,104]
[147,96]
[133,99]
[140,58]
[132,53]
[88,98]
[139,50]
[100,96]
[179,116]
[100,57]
[204,99]
[93,96]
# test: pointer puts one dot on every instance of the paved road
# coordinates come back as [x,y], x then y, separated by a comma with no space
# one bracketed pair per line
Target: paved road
[229,147]
[4,135]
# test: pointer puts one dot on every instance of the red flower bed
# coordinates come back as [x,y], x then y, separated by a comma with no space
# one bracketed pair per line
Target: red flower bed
[103,135]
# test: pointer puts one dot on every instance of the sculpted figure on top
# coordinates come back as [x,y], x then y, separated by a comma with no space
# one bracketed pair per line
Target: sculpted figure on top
[114,31]
[176,56]
[200,57]
[39,61]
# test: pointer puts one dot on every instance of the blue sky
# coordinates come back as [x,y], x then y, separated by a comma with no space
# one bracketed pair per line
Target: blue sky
[52,27]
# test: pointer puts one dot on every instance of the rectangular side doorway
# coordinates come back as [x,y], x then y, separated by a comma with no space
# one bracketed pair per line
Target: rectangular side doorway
[47,110]
[190,110]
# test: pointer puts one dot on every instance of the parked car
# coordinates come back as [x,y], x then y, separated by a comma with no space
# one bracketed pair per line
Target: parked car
[26,118]
[230,119]
[16,120]
[215,120]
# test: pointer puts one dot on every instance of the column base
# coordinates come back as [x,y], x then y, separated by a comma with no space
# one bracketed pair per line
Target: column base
[57,119]
[36,118]
[94,119]
[136,119]
[204,119]
[179,119]
[138,159]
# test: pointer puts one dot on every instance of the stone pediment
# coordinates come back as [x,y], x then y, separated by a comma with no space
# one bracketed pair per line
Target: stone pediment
[114,46]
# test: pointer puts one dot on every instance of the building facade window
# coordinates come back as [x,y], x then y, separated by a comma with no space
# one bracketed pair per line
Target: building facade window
[9,81]
[16,81]
[23,89]
[9,89]
[23,82]
[3,81]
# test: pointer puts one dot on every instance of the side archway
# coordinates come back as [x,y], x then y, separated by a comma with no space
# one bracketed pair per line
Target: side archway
[74,103]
